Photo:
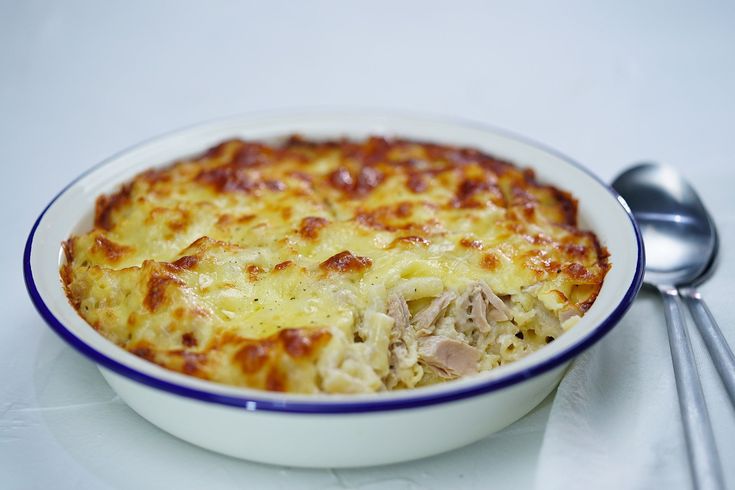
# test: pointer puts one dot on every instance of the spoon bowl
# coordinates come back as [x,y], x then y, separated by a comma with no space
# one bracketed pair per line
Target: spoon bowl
[679,236]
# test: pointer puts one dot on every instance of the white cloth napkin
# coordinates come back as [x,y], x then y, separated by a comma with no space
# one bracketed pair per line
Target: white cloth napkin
[615,421]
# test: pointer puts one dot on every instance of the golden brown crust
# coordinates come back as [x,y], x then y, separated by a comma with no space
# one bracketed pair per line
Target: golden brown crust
[346,262]
[107,205]
[311,225]
[260,360]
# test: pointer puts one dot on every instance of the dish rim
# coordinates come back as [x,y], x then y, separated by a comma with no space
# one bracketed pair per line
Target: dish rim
[255,403]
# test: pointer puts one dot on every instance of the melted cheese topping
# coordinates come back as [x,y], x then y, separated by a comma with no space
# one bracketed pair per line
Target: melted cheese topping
[334,266]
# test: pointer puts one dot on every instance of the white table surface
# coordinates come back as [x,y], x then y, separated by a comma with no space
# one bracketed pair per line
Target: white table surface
[606,83]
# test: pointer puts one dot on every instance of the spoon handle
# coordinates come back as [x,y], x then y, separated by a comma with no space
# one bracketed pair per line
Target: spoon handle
[722,356]
[705,463]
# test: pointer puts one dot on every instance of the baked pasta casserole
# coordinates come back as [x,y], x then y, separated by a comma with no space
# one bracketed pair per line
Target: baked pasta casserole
[334,266]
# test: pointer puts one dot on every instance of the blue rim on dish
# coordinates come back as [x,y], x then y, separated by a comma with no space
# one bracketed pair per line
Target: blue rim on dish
[342,407]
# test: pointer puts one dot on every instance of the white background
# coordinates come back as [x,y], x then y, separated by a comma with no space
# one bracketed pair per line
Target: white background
[608,83]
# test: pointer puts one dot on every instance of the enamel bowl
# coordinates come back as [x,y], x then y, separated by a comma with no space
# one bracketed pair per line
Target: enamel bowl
[333,430]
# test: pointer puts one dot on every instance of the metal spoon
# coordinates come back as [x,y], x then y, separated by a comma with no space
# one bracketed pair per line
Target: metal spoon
[693,211]
[680,241]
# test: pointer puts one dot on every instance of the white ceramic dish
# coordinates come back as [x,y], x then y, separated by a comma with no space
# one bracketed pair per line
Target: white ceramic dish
[334,431]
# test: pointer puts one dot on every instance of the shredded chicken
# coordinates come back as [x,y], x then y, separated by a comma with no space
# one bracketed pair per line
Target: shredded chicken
[478,310]
[502,311]
[403,348]
[424,321]
[398,309]
[479,332]
[448,357]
